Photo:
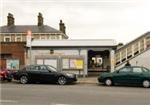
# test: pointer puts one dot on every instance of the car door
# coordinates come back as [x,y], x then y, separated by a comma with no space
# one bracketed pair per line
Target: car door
[33,73]
[136,75]
[46,74]
[122,75]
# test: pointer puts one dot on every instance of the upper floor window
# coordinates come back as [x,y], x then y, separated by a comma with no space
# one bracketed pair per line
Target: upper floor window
[7,39]
[43,36]
[53,37]
[18,39]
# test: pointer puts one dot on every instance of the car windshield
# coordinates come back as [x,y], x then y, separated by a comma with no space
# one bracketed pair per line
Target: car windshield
[51,68]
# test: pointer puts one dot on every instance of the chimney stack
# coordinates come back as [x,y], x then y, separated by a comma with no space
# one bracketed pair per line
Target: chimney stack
[62,27]
[40,19]
[10,20]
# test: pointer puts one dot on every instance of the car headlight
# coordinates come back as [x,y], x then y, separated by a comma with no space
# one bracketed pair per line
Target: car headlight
[70,75]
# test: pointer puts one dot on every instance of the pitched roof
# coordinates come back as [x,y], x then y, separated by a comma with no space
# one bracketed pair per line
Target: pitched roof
[24,28]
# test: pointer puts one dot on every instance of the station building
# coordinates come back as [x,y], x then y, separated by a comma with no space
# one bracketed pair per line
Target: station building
[76,56]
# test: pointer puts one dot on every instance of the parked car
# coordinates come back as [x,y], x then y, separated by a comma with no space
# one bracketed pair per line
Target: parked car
[43,73]
[5,74]
[128,75]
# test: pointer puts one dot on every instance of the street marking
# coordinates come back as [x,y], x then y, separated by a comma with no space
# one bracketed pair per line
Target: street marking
[8,101]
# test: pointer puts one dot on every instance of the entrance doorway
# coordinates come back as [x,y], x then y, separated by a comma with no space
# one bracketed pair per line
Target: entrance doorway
[98,61]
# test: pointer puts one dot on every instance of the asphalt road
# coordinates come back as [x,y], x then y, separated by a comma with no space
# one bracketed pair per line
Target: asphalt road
[78,94]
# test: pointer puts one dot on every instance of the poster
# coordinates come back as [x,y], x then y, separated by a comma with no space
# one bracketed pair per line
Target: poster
[12,64]
[76,63]
[79,64]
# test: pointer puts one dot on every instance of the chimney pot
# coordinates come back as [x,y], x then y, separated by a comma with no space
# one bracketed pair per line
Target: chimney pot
[40,19]
[10,19]
[62,27]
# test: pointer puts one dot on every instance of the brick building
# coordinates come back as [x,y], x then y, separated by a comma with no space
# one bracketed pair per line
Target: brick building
[13,39]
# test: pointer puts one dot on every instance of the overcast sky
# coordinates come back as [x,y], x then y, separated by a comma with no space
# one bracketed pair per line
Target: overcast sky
[122,20]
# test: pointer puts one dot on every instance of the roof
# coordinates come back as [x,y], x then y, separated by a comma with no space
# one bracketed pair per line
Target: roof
[74,43]
[24,28]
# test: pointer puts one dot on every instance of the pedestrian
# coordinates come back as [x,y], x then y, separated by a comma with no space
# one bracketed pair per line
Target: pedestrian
[128,64]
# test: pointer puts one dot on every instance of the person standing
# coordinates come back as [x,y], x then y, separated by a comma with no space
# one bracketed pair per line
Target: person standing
[128,64]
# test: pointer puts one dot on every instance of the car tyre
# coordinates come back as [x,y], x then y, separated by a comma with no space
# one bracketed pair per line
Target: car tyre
[108,82]
[62,80]
[146,83]
[23,79]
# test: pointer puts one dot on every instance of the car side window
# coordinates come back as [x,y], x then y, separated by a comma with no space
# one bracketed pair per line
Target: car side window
[30,68]
[37,68]
[125,70]
[43,68]
[137,70]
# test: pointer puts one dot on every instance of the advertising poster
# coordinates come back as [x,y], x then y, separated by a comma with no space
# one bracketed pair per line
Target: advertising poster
[79,64]
[12,64]
[76,63]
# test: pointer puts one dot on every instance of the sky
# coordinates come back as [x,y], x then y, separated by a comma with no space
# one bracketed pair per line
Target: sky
[121,20]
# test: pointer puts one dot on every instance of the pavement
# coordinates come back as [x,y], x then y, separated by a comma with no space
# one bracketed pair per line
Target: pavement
[87,80]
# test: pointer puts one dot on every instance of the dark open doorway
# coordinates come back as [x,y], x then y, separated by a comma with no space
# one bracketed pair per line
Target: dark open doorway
[98,61]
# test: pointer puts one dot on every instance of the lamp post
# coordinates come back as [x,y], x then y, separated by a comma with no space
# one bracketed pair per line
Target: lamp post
[29,44]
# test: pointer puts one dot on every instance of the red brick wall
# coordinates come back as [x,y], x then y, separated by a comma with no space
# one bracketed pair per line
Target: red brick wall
[15,49]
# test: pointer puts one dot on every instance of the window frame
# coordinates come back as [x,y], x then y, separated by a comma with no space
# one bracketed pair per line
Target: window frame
[5,37]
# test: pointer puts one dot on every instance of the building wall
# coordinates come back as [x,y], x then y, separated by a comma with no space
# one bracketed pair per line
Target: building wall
[15,51]
[35,36]
[73,52]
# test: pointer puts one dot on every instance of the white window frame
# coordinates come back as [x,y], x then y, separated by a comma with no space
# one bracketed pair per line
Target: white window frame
[7,37]
[42,36]
[18,37]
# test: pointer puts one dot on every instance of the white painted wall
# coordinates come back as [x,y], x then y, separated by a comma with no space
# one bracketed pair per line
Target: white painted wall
[61,52]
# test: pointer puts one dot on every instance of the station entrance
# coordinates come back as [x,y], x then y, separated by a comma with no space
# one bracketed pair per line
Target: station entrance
[98,61]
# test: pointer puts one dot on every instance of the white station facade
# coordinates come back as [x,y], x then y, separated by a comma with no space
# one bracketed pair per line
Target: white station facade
[76,56]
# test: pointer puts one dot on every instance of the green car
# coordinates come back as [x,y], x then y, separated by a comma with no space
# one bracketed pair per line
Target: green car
[134,75]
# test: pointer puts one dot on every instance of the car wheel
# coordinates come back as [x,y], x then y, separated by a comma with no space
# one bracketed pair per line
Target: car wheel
[108,82]
[24,79]
[146,83]
[62,80]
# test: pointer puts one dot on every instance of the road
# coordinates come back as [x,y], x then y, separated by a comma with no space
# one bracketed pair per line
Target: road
[76,94]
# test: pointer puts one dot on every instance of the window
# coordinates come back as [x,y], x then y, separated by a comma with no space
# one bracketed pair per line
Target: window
[43,37]
[137,70]
[51,68]
[125,70]
[53,37]
[43,68]
[7,39]
[18,39]
[146,70]
[37,68]
[30,68]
